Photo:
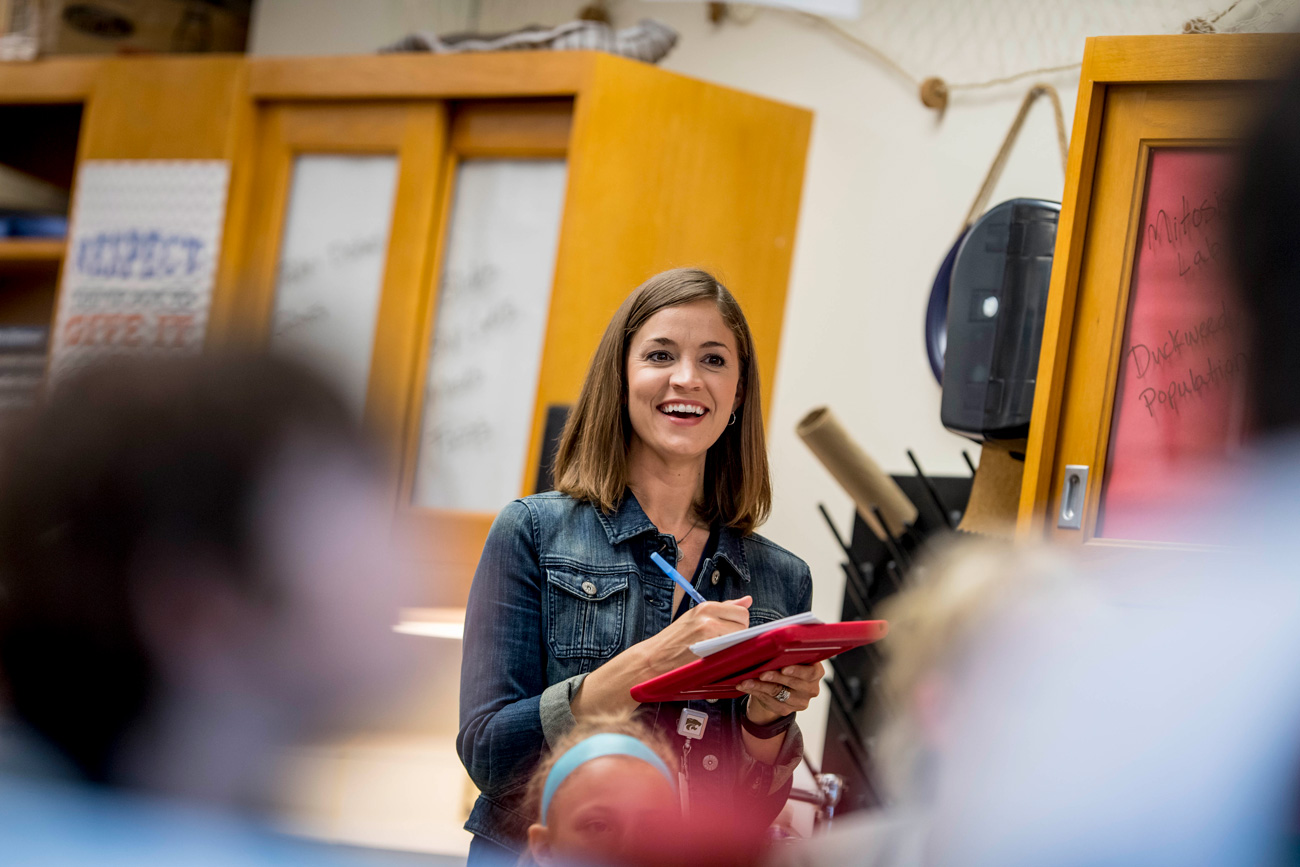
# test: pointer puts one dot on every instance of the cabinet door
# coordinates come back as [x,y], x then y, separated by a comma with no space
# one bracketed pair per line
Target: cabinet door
[340,218]
[1154,383]
[408,249]
[471,442]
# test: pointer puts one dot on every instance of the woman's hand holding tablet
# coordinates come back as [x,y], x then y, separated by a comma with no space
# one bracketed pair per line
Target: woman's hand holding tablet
[741,669]
[671,648]
[607,689]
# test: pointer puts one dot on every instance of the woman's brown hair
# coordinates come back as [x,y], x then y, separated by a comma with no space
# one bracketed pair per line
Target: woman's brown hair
[591,463]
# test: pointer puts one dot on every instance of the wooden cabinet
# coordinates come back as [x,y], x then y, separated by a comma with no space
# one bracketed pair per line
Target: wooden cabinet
[1138,380]
[433,227]
[41,113]
[55,114]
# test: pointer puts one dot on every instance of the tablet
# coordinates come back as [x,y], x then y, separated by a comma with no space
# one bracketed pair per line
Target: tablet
[717,675]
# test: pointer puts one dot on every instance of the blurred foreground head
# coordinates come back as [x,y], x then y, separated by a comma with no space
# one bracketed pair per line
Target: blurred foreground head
[933,624]
[1265,245]
[194,567]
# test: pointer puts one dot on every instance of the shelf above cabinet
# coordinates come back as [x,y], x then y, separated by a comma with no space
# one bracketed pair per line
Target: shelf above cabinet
[31,250]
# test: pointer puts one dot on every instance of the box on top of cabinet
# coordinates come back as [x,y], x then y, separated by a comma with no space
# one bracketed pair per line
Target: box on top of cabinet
[142,26]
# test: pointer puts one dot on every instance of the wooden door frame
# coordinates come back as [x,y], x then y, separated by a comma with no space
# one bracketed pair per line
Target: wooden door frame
[452,540]
[1110,62]
[414,132]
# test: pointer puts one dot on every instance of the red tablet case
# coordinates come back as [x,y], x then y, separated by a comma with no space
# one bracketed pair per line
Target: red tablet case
[716,676]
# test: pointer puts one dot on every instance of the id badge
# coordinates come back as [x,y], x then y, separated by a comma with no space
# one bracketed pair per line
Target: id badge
[691,723]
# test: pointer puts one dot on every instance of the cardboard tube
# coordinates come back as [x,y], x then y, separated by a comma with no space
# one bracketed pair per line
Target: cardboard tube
[868,485]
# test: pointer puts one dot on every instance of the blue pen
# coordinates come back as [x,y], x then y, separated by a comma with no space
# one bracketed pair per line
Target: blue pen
[676,576]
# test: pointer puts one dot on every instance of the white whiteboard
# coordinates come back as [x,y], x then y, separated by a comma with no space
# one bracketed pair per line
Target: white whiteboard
[332,257]
[490,321]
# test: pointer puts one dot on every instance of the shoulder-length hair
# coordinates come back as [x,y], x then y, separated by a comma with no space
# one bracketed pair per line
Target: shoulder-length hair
[591,463]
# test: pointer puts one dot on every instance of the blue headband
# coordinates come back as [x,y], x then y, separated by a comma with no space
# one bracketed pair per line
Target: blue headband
[594,747]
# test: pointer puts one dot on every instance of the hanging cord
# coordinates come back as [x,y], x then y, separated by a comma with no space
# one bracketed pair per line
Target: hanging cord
[1008,79]
[934,90]
[861,44]
[1000,161]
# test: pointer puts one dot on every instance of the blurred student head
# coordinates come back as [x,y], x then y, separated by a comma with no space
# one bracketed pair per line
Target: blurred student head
[1160,726]
[606,789]
[194,568]
[1265,245]
[932,624]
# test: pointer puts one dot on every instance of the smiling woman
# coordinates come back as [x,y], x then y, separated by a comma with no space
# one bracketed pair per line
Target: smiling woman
[663,454]
[677,336]
[683,382]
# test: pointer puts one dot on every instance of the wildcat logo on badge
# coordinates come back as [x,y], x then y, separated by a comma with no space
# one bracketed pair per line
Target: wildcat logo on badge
[691,723]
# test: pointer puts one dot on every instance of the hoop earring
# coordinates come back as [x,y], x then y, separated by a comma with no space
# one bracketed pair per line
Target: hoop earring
[733,420]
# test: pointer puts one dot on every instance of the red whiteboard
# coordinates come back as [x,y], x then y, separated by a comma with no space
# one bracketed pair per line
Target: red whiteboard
[1180,399]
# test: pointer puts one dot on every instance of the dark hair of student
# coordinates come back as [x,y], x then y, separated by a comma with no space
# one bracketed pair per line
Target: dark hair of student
[1265,251]
[125,458]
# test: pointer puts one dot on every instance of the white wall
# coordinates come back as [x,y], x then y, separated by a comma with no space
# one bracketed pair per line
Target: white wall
[887,187]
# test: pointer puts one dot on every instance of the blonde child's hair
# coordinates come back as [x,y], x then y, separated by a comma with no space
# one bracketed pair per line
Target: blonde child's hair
[596,725]
[931,624]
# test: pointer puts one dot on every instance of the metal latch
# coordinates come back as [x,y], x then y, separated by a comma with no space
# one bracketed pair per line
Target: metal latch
[1074,488]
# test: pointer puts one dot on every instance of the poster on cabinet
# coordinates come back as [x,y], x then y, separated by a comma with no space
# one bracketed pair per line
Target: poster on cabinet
[142,255]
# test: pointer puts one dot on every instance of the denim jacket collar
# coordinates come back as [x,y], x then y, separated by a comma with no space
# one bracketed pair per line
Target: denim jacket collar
[629,520]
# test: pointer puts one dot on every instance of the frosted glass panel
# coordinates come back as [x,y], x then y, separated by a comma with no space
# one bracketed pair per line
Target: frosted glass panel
[490,321]
[332,264]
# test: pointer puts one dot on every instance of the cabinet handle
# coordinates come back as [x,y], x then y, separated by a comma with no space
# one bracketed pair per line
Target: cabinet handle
[1074,489]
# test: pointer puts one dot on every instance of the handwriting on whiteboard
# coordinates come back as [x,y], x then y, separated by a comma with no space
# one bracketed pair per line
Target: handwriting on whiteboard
[1192,356]
[472,310]
[338,254]
[1191,232]
[1183,245]
[1180,396]
[331,272]
[489,329]
[292,320]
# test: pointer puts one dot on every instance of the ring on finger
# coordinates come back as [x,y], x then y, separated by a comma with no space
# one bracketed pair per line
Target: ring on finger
[783,695]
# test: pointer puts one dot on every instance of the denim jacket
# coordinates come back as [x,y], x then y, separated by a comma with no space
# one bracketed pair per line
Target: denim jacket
[561,588]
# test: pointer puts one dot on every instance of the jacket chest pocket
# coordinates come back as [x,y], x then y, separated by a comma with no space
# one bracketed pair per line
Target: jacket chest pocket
[759,616]
[584,612]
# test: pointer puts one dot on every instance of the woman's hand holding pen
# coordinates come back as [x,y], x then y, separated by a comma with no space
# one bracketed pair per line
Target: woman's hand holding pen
[803,683]
[670,648]
[606,690]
